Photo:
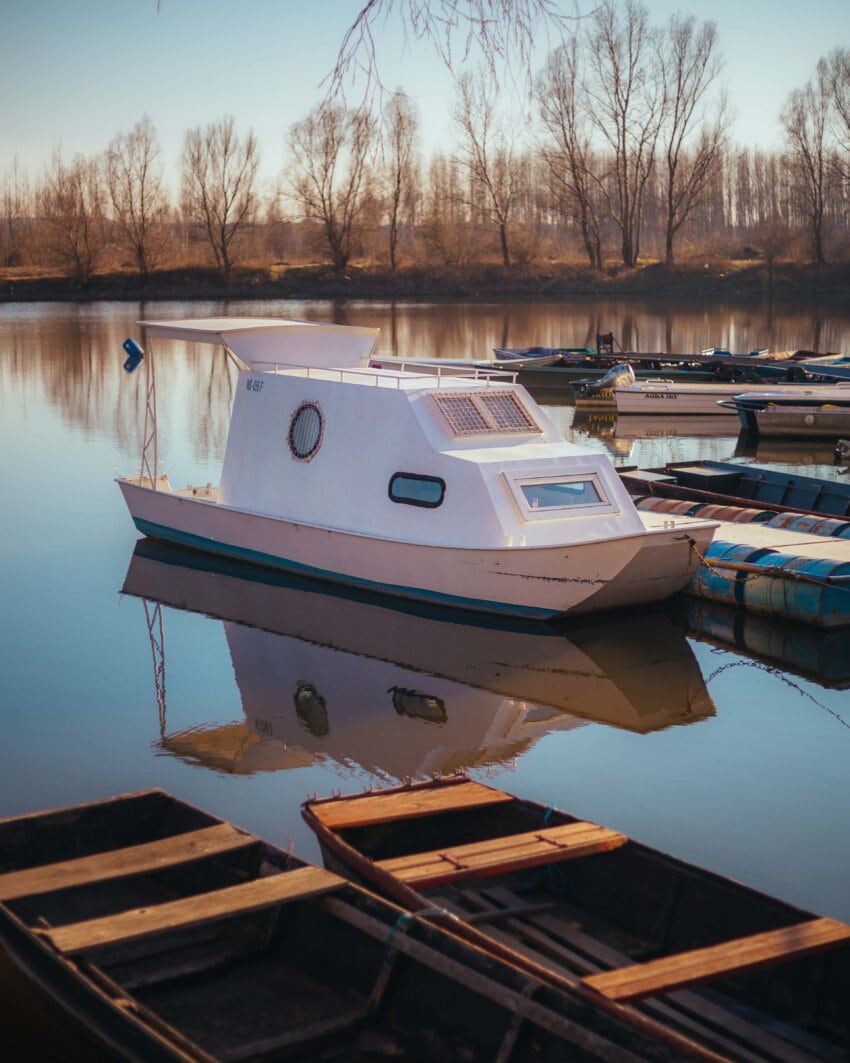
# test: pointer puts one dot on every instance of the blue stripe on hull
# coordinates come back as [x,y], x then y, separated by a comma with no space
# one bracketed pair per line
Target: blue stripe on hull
[198,542]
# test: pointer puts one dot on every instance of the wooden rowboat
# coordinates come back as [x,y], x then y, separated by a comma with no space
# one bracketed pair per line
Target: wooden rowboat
[597,913]
[169,934]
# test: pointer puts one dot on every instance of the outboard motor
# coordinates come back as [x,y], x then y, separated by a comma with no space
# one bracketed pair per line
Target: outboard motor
[619,376]
[601,392]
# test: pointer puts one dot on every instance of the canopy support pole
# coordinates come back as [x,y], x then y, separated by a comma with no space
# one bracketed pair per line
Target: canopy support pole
[150,441]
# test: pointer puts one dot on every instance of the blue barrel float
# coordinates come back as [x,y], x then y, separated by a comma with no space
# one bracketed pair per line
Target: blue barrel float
[811,590]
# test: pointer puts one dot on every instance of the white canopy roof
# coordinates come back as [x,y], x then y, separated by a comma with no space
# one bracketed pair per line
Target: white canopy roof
[259,340]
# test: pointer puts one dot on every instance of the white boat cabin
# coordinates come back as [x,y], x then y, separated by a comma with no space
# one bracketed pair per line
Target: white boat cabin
[318,437]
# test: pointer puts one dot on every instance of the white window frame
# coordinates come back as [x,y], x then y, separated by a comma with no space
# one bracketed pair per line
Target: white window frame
[528,512]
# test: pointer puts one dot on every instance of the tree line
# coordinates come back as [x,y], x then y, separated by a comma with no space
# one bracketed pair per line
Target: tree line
[624,154]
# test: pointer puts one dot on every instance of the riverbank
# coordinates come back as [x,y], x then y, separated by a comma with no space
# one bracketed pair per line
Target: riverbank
[485,283]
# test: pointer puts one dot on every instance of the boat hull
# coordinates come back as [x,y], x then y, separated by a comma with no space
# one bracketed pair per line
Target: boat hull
[811,422]
[533,582]
[678,399]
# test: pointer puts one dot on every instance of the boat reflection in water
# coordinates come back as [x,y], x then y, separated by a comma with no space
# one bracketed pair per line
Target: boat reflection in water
[786,451]
[401,692]
[620,433]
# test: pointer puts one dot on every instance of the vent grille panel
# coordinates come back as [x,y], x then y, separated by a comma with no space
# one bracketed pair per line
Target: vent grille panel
[463,415]
[507,412]
[490,413]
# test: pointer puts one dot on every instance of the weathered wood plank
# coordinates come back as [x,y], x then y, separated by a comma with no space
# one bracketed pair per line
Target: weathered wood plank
[368,809]
[119,863]
[192,911]
[716,961]
[509,853]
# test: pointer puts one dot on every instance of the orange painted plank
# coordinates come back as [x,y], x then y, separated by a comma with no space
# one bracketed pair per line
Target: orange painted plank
[731,957]
[191,911]
[118,863]
[364,810]
[509,853]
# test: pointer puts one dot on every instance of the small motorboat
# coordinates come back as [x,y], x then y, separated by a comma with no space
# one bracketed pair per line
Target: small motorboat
[548,355]
[718,397]
[744,975]
[450,488]
[171,935]
[818,412]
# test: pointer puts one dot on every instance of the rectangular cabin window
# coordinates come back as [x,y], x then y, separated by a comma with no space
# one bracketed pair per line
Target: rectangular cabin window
[485,413]
[564,496]
[559,493]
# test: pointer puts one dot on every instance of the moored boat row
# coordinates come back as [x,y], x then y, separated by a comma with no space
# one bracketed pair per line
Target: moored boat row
[510,931]
[168,934]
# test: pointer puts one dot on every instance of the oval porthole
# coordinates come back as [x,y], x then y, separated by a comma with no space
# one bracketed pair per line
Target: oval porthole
[305,431]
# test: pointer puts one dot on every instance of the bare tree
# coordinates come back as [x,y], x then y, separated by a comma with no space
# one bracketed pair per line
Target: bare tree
[488,154]
[330,149]
[568,153]
[219,186]
[692,138]
[447,228]
[626,105]
[134,180]
[71,205]
[400,129]
[805,121]
[15,214]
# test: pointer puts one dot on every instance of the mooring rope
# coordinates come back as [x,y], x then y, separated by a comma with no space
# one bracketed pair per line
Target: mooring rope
[744,570]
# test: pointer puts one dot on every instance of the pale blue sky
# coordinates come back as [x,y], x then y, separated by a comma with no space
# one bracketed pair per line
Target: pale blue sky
[79,71]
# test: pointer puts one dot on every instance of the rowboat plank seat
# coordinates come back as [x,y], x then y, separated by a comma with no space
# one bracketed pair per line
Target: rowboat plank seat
[363,811]
[507,853]
[191,911]
[717,961]
[167,852]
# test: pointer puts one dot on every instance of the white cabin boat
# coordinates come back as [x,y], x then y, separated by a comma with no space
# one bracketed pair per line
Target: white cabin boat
[455,489]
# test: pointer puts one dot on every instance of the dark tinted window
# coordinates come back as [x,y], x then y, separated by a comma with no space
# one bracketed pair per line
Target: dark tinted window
[414,490]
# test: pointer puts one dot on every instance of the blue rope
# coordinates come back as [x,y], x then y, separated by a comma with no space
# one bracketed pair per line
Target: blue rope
[405,918]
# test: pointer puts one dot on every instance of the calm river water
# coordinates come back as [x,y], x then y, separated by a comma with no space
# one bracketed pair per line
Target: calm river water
[125,668]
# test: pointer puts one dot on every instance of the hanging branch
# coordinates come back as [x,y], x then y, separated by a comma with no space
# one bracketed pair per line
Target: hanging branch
[505,32]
